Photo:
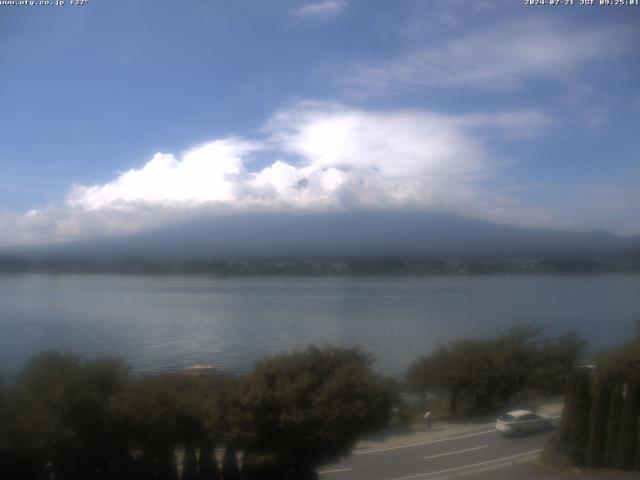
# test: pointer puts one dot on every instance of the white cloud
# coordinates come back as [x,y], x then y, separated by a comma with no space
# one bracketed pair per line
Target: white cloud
[501,56]
[320,10]
[207,173]
[323,157]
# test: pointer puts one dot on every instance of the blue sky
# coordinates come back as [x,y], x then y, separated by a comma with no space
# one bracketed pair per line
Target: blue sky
[120,116]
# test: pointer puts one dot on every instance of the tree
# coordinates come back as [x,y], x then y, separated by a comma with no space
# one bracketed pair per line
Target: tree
[564,431]
[230,469]
[62,415]
[189,462]
[76,397]
[199,413]
[472,373]
[622,364]
[628,436]
[151,415]
[613,426]
[427,373]
[598,423]
[434,372]
[579,430]
[499,369]
[464,369]
[207,463]
[310,407]
[517,360]
[557,357]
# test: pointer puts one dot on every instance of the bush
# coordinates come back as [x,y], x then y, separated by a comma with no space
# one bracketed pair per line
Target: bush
[60,413]
[310,407]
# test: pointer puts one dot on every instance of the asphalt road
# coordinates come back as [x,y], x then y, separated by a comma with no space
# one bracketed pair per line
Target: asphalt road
[481,455]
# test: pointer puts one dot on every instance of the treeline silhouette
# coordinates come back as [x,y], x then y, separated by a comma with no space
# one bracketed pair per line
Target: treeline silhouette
[326,266]
[67,418]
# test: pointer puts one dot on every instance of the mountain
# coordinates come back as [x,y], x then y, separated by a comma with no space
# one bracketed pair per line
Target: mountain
[360,233]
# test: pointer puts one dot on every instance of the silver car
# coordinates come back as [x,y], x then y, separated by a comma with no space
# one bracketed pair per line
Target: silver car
[518,422]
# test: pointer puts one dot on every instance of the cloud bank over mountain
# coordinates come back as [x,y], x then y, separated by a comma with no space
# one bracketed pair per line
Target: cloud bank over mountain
[311,157]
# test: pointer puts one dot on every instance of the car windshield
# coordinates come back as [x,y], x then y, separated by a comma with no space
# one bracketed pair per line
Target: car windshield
[506,418]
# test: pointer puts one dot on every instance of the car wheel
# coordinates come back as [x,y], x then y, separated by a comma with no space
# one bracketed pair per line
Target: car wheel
[517,432]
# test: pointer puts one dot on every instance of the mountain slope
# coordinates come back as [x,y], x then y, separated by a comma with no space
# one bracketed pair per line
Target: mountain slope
[354,233]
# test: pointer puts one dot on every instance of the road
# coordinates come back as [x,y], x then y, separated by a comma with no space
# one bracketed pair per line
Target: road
[480,455]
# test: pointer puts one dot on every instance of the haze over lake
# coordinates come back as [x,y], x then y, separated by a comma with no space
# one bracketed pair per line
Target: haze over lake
[168,322]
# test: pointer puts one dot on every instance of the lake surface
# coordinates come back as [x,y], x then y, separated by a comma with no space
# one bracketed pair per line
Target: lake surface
[169,322]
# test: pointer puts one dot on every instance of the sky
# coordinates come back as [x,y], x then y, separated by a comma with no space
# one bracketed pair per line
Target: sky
[118,117]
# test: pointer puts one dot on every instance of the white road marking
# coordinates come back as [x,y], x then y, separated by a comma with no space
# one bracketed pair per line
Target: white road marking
[335,470]
[463,467]
[366,452]
[456,452]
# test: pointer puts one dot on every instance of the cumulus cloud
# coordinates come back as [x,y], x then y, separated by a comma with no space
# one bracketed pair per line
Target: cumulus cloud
[314,157]
[502,56]
[207,173]
[320,10]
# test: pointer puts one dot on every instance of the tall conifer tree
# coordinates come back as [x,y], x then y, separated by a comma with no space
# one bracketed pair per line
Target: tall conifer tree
[598,423]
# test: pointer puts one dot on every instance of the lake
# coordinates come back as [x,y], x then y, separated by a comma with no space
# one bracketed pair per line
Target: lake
[168,322]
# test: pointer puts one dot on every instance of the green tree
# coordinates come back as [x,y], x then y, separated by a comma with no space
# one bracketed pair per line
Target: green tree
[499,369]
[230,469]
[207,463]
[189,462]
[199,413]
[464,369]
[623,363]
[598,423]
[517,359]
[62,415]
[557,357]
[426,374]
[613,425]
[579,430]
[473,370]
[434,372]
[564,431]
[309,407]
[224,422]
[628,436]
[151,415]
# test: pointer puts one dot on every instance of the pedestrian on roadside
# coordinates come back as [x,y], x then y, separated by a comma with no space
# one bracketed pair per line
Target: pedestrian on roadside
[427,420]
